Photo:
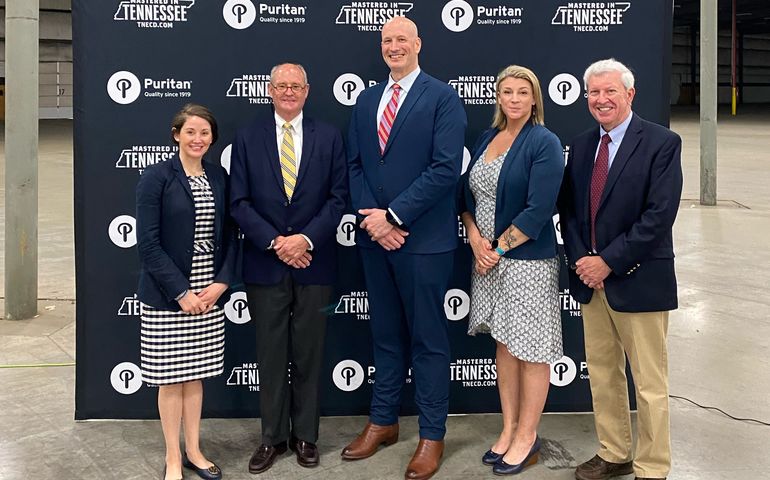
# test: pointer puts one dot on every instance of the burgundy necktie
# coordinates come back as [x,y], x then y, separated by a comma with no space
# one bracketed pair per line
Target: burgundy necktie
[386,123]
[598,179]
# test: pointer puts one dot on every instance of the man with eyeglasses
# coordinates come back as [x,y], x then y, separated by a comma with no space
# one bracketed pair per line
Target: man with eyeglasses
[288,188]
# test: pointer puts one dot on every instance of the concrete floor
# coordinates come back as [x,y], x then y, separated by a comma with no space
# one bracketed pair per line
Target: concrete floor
[718,342]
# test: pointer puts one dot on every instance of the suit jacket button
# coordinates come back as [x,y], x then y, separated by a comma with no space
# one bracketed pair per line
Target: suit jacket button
[285,204]
[289,229]
[382,162]
[379,189]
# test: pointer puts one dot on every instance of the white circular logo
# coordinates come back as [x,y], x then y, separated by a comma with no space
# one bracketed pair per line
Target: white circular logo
[124,87]
[557,227]
[239,14]
[457,304]
[122,231]
[563,371]
[126,378]
[237,308]
[348,375]
[466,160]
[347,87]
[224,159]
[457,15]
[564,89]
[346,230]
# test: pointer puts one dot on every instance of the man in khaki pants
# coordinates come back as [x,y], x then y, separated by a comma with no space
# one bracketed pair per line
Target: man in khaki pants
[618,203]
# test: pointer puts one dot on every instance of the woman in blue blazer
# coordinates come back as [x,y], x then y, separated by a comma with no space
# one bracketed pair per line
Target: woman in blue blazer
[187,252]
[509,193]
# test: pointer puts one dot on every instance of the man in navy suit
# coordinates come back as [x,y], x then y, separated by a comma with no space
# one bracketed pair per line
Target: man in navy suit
[288,190]
[619,199]
[404,158]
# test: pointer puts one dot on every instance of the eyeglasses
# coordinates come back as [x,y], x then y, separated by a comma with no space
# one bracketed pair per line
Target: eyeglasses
[295,88]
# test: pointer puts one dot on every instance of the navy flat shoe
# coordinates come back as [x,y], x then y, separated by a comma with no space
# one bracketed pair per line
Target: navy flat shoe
[490,458]
[502,468]
[211,473]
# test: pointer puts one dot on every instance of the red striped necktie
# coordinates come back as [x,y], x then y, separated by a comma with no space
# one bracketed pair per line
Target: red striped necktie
[598,180]
[388,116]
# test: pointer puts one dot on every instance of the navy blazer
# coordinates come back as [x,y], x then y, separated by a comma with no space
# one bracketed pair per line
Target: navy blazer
[527,189]
[165,225]
[417,174]
[262,210]
[635,217]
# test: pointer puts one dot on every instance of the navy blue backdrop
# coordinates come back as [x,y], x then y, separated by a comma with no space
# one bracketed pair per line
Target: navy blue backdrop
[138,61]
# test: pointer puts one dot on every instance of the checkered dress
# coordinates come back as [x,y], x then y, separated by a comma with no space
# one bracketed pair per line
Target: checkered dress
[517,301]
[178,347]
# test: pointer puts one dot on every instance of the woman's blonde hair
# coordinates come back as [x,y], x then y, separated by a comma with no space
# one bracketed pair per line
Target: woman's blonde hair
[499,121]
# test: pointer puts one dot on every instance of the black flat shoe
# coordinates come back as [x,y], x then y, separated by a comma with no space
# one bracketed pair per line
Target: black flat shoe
[490,458]
[211,473]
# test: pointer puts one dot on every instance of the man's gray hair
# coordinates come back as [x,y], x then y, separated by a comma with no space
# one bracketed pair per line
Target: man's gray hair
[607,66]
[300,67]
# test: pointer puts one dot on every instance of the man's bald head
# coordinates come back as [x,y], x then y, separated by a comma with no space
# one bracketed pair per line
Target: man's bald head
[400,46]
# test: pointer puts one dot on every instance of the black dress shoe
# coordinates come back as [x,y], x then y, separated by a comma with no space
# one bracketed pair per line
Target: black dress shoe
[211,473]
[307,453]
[264,456]
[490,458]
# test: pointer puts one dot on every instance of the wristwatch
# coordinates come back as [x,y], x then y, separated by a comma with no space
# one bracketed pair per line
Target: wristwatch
[498,250]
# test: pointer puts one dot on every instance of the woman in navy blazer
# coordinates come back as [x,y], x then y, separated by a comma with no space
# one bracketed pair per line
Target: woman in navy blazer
[187,252]
[508,197]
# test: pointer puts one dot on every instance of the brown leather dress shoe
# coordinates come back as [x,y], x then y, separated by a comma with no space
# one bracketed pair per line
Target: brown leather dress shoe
[307,453]
[264,456]
[367,443]
[425,460]
[599,469]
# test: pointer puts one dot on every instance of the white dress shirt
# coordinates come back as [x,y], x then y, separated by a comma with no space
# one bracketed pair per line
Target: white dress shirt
[616,137]
[296,135]
[406,85]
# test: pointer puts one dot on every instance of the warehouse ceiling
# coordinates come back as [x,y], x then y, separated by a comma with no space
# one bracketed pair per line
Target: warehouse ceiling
[753,16]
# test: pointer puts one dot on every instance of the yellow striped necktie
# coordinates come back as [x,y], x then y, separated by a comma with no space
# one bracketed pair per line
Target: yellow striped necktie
[288,161]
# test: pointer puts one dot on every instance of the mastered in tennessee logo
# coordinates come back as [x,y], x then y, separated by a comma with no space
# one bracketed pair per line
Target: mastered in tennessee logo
[247,375]
[354,303]
[139,157]
[252,87]
[371,16]
[153,13]
[130,307]
[569,304]
[474,372]
[590,16]
[475,89]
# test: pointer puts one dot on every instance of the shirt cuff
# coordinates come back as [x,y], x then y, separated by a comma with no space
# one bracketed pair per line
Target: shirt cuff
[395,216]
[307,239]
[270,247]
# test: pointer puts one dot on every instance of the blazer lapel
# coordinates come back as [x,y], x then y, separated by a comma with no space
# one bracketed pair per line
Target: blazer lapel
[308,140]
[418,88]
[271,152]
[630,141]
[176,164]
